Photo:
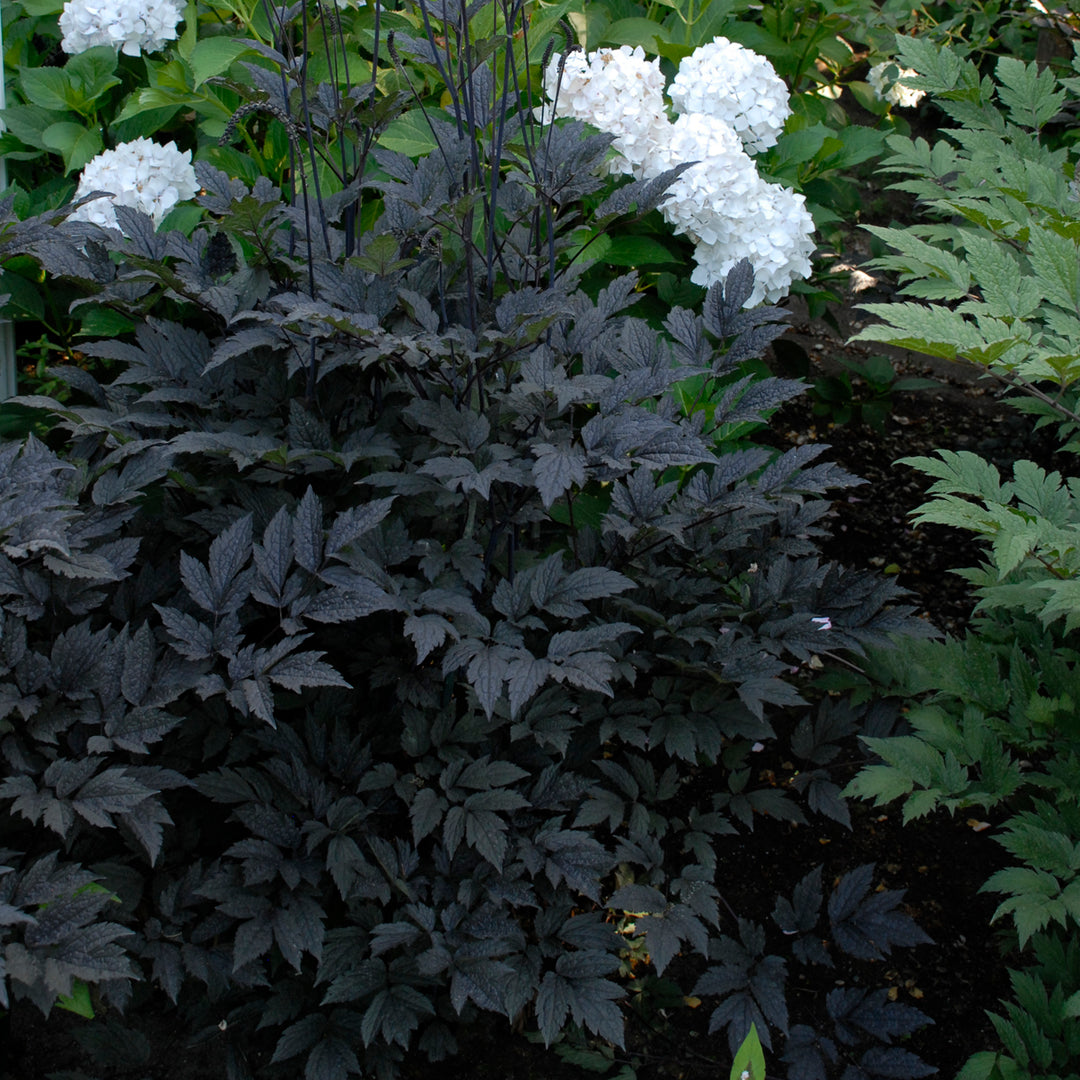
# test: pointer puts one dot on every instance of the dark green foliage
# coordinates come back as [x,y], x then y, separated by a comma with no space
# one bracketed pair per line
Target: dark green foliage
[366,629]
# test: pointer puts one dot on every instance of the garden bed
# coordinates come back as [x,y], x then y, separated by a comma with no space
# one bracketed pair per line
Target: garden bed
[414,652]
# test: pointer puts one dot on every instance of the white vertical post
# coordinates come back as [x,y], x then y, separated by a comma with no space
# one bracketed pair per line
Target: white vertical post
[8,367]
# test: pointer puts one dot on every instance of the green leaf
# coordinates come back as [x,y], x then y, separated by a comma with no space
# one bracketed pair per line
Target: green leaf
[942,68]
[1057,266]
[1014,543]
[801,145]
[881,783]
[187,41]
[867,99]
[986,1065]
[857,144]
[75,142]
[49,88]
[591,1060]
[184,217]
[27,122]
[78,1001]
[94,71]
[637,31]
[144,124]
[1035,901]
[673,51]
[921,260]
[932,330]
[633,251]
[410,135]
[42,7]
[214,56]
[99,322]
[1007,290]
[162,98]
[962,472]
[23,296]
[350,68]
[749,1062]
[1027,92]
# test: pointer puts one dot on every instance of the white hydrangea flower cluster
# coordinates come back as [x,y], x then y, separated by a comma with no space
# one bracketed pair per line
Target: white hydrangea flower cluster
[775,234]
[883,79]
[140,174]
[709,200]
[618,91]
[132,26]
[734,84]
[731,101]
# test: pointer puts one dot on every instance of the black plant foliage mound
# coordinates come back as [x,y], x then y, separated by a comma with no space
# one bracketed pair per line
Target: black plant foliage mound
[367,609]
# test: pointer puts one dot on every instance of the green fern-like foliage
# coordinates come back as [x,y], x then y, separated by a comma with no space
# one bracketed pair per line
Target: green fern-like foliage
[993,277]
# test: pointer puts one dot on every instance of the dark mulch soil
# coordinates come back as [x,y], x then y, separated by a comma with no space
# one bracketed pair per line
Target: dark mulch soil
[871,523]
[939,861]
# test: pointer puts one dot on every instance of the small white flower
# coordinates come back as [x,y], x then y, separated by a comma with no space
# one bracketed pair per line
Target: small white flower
[617,91]
[140,174]
[734,84]
[883,81]
[132,26]
[823,622]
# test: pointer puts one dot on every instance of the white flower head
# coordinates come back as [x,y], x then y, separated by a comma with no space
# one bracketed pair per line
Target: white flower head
[775,232]
[734,84]
[140,174]
[710,199]
[823,622]
[133,26]
[732,103]
[883,79]
[617,91]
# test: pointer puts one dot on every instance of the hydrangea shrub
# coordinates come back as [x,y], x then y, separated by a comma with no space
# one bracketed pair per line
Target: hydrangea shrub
[721,202]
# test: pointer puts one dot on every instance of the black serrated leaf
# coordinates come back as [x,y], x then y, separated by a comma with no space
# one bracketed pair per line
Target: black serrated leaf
[867,925]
